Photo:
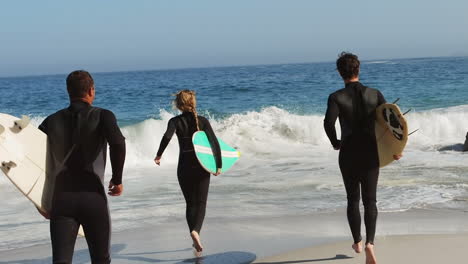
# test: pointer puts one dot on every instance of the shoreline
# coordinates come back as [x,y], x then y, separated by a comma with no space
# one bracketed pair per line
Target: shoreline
[261,238]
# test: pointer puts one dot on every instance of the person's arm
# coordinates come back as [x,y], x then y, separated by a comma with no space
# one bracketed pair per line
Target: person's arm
[380,98]
[330,120]
[171,128]
[117,150]
[465,145]
[214,145]
[43,126]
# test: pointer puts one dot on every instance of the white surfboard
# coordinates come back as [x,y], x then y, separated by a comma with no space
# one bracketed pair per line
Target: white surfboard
[391,132]
[23,157]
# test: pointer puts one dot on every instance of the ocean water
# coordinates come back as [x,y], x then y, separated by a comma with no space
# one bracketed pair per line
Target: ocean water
[274,115]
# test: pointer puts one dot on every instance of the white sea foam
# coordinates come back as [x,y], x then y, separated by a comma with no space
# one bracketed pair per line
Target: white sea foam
[253,133]
[438,127]
[279,142]
[262,133]
[285,153]
[287,167]
[276,131]
[379,62]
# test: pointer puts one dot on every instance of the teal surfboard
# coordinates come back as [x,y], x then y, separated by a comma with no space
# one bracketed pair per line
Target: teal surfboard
[205,156]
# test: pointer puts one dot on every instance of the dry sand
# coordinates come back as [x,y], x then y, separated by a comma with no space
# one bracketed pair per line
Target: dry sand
[424,249]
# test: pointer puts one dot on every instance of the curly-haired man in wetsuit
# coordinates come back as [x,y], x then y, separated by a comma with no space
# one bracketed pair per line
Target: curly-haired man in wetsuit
[355,107]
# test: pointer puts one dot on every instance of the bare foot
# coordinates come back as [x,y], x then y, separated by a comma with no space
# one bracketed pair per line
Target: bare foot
[197,254]
[370,256]
[196,241]
[357,247]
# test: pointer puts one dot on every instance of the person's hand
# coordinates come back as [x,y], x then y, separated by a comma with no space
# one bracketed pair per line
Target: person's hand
[218,172]
[115,190]
[397,157]
[45,214]
[157,160]
[338,146]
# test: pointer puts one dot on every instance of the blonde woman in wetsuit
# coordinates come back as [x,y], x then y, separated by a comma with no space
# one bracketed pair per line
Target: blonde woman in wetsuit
[193,179]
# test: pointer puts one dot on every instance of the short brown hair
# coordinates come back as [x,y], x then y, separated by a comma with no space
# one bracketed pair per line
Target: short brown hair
[79,83]
[347,65]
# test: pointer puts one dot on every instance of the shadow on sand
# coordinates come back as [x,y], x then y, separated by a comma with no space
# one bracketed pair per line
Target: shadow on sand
[82,257]
[232,257]
[337,257]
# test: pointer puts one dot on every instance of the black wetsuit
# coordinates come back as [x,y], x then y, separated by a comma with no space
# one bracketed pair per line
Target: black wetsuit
[76,157]
[355,106]
[193,179]
[465,145]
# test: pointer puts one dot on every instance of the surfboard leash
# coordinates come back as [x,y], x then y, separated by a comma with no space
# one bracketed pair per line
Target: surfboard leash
[413,132]
[409,110]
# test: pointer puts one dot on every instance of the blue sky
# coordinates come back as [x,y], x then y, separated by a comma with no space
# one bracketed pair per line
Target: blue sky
[42,37]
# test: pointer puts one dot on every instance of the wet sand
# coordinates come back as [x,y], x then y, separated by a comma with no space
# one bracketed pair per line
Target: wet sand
[318,238]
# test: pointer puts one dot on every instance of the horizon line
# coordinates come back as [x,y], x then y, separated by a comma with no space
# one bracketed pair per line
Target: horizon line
[222,66]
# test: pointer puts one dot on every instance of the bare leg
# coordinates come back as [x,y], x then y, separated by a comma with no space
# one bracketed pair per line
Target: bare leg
[370,256]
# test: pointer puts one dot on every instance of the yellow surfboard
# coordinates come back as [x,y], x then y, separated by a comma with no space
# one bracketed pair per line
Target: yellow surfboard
[391,132]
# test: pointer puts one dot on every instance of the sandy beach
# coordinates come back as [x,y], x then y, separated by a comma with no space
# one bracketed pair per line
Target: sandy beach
[292,86]
[424,249]
[418,236]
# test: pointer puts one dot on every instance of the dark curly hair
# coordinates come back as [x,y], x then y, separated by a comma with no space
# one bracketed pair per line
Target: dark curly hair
[79,83]
[347,65]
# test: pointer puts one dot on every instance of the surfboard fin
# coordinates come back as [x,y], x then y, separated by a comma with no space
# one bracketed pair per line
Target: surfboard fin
[398,99]
[413,132]
[21,124]
[409,110]
[7,166]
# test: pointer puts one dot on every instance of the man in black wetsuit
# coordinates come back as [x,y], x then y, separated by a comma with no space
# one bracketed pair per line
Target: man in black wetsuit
[74,192]
[355,107]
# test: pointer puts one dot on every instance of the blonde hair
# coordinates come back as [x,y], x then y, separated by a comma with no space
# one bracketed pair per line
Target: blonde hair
[186,101]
